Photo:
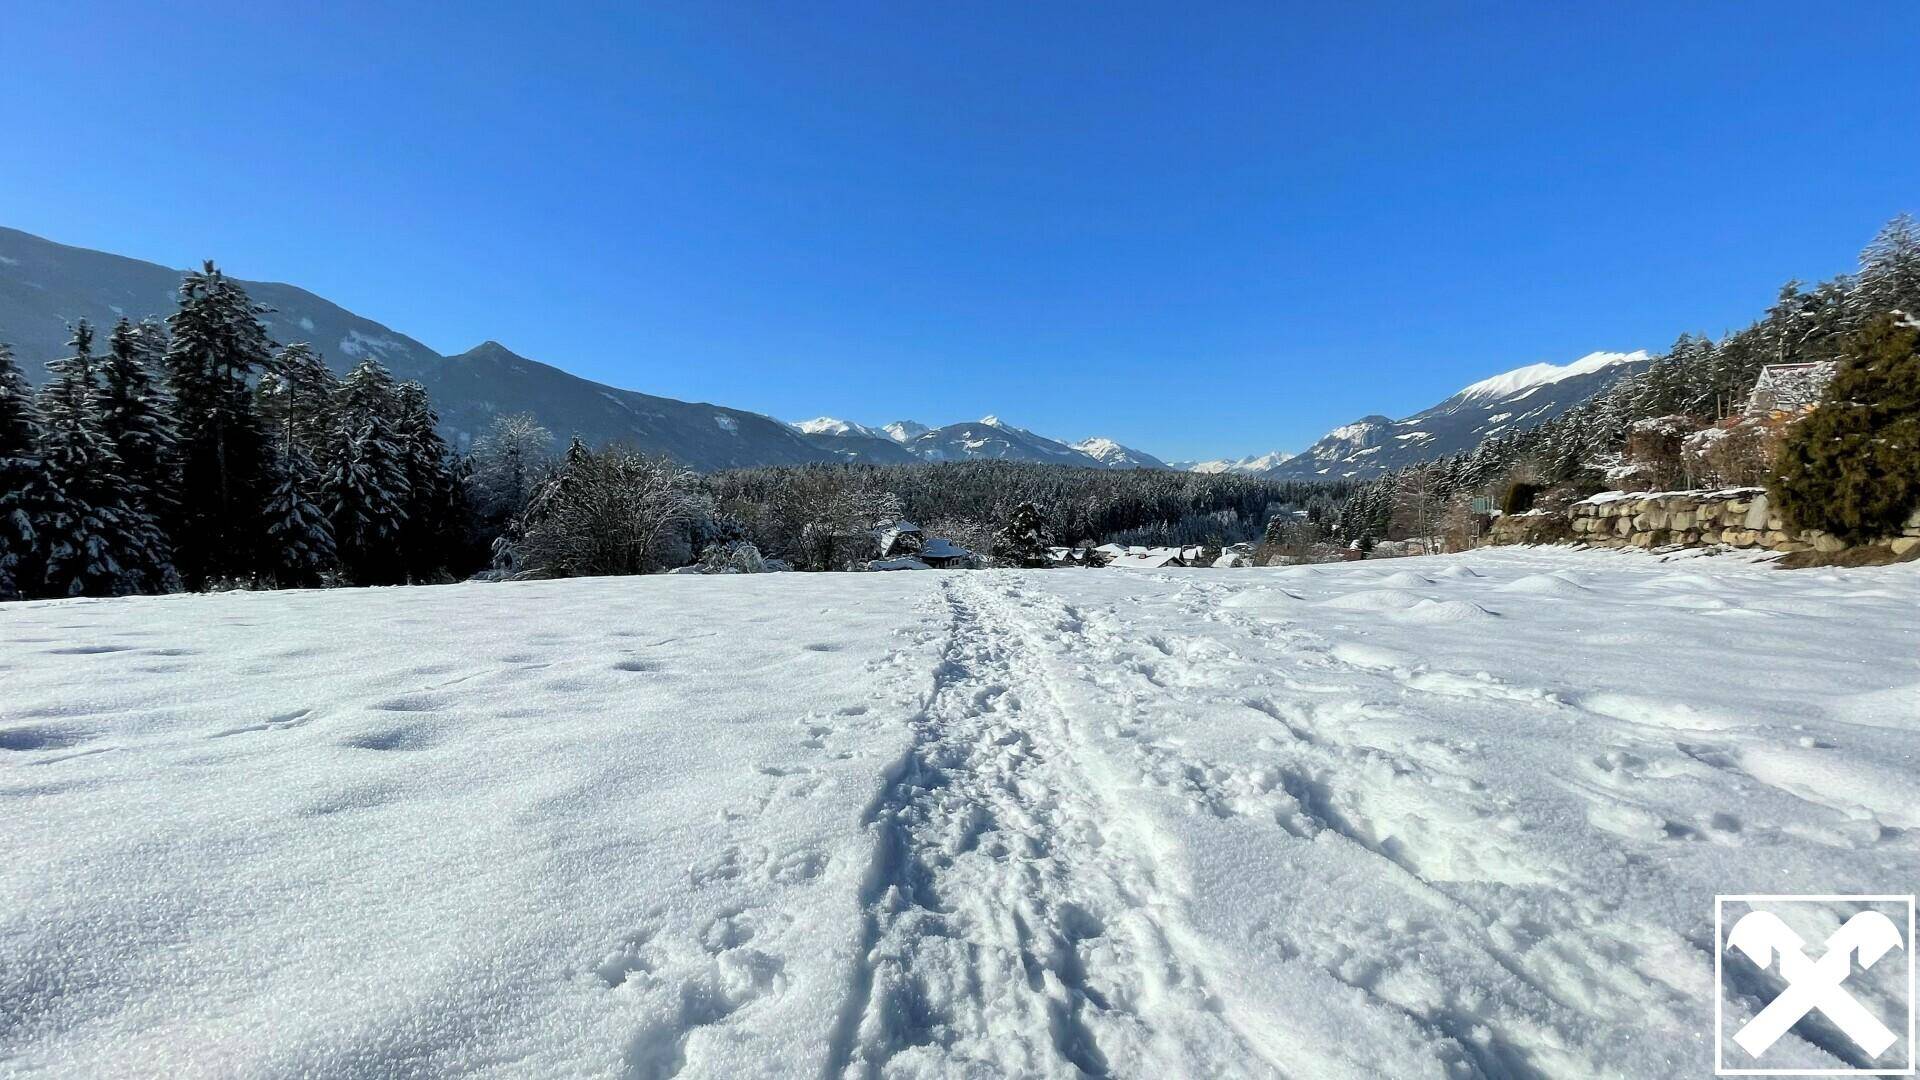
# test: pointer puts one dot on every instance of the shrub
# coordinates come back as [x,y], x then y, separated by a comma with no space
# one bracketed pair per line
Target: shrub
[1852,467]
[611,511]
[1738,452]
[1518,498]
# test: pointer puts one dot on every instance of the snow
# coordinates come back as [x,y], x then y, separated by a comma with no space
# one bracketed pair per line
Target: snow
[903,562]
[1605,497]
[904,431]
[1256,463]
[1353,433]
[1537,375]
[942,548]
[1048,823]
[360,346]
[827,425]
[726,423]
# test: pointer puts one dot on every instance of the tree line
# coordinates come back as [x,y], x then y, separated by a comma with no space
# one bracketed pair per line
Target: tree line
[194,453]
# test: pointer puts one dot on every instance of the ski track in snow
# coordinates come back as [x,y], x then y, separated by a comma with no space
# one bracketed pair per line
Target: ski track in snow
[1450,817]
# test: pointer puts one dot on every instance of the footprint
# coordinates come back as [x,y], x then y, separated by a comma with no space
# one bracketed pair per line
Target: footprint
[45,737]
[636,665]
[824,647]
[659,1049]
[418,737]
[800,866]
[626,961]
[412,703]
[728,930]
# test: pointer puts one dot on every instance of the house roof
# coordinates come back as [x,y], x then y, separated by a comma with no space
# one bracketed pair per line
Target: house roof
[941,548]
[1791,386]
[908,563]
[1142,562]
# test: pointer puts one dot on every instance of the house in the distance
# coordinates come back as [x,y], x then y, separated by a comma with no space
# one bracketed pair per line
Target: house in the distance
[1151,559]
[1789,389]
[941,553]
[901,539]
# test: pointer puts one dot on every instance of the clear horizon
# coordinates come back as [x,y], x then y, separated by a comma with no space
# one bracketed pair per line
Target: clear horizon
[1199,236]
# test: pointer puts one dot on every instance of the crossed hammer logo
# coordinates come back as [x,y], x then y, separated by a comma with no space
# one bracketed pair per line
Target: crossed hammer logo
[1814,984]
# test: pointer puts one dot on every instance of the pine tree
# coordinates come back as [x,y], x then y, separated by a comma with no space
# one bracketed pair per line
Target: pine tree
[297,524]
[222,457]
[87,533]
[1852,467]
[1023,540]
[137,420]
[296,400]
[425,536]
[365,486]
[1889,277]
[25,495]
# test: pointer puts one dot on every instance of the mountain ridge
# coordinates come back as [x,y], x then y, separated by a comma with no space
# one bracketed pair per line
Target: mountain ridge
[45,286]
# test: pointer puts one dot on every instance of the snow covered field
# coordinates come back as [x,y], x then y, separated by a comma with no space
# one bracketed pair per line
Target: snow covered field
[1443,817]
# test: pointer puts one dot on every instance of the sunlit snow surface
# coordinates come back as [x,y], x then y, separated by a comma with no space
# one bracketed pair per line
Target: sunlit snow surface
[1444,817]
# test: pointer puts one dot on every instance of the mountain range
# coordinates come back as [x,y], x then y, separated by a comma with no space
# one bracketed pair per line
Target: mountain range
[1509,402]
[986,438]
[45,287]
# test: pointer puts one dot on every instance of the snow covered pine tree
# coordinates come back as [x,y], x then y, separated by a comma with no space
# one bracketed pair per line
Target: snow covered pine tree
[222,457]
[365,486]
[25,496]
[86,531]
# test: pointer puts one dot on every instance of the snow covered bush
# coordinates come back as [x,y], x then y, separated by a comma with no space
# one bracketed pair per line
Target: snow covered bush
[1735,453]
[1653,452]
[734,557]
[612,511]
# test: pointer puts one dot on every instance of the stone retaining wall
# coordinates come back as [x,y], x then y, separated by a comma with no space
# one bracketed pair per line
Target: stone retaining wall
[1736,517]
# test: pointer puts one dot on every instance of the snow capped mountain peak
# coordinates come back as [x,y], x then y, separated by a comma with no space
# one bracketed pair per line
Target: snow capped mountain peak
[992,420]
[1357,432]
[1524,378]
[1249,465]
[828,425]
[1115,456]
[903,431]
[1495,407]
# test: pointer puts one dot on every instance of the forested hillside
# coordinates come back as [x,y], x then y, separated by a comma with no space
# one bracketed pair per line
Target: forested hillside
[1677,422]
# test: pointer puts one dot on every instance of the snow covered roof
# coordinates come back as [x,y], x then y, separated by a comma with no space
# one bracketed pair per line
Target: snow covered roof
[941,548]
[1143,562]
[1790,386]
[907,563]
[1111,549]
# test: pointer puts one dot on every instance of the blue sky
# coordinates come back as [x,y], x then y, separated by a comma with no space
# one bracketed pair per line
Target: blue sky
[1199,229]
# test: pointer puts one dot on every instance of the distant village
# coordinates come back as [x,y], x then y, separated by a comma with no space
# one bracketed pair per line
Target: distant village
[903,545]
